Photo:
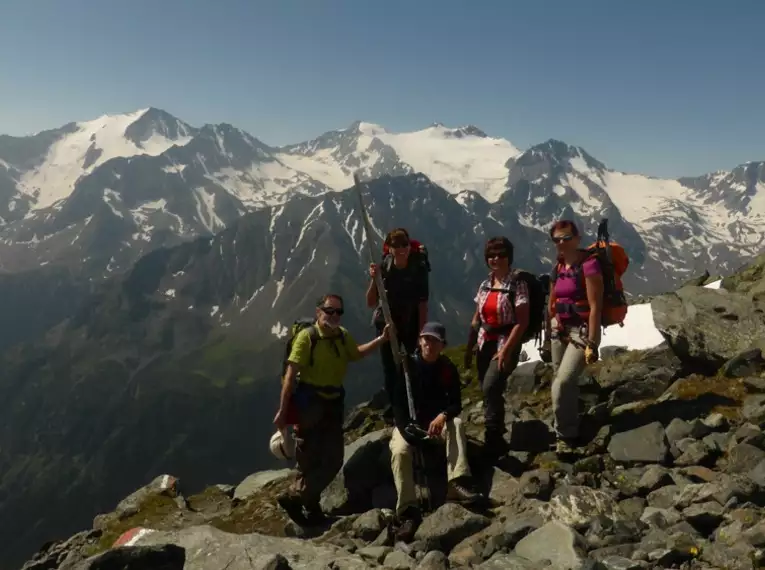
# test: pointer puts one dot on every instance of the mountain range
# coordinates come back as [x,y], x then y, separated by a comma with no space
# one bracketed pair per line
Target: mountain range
[150,269]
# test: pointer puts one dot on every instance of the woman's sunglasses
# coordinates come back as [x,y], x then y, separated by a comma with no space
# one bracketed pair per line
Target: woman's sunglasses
[496,255]
[332,311]
[561,239]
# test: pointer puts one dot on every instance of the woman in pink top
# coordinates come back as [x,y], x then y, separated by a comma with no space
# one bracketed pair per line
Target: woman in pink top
[576,301]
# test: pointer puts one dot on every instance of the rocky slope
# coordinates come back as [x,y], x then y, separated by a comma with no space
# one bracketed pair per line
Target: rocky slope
[671,473]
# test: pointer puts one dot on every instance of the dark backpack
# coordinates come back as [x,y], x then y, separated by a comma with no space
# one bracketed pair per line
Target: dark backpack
[537,303]
[313,334]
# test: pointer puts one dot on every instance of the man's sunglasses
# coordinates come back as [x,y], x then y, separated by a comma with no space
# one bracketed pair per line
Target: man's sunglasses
[399,245]
[332,311]
[561,239]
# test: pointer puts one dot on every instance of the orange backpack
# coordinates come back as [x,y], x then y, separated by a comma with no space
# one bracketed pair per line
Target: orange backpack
[614,261]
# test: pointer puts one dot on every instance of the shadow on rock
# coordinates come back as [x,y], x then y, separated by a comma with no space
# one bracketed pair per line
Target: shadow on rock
[165,557]
[666,411]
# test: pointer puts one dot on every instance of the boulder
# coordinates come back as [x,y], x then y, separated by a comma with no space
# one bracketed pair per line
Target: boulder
[448,525]
[208,548]
[556,542]
[646,444]
[708,327]
[366,465]
[255,482]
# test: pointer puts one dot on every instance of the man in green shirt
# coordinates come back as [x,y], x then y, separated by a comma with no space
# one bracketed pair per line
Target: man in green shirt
[314,391]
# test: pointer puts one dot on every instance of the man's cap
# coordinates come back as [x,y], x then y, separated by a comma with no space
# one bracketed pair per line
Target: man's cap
[434,329]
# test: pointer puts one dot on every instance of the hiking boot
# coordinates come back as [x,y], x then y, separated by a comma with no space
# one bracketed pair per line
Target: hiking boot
[293,506]
[409,521]
[459,491]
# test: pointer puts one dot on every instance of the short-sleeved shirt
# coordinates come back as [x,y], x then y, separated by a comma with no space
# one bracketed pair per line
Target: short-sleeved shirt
[495,308]
[568,289]
[329,366]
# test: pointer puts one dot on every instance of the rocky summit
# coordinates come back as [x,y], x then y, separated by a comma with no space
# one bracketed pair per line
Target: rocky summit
[670,474]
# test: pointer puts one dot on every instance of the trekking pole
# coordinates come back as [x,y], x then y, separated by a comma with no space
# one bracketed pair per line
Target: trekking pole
[398,357]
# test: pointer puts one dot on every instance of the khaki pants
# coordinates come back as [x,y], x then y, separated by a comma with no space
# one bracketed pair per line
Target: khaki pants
[401,451]
[568,363]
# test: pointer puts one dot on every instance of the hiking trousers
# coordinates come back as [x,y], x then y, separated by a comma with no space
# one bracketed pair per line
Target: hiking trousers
[401,451]
[319,447]
[493,383]
[567,348]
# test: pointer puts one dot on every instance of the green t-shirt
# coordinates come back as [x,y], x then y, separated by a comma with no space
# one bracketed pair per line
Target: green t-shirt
[329,366]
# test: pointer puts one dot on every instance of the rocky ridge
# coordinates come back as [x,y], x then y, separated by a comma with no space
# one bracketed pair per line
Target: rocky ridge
[672,474]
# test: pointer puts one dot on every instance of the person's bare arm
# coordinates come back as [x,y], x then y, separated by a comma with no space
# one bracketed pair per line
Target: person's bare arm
[372,345]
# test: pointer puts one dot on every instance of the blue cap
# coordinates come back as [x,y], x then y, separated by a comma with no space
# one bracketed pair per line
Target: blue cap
[434,329]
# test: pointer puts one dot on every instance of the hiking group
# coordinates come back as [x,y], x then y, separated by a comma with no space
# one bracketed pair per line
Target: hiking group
[564,312]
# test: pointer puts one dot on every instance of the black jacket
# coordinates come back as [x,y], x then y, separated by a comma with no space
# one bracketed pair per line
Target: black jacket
[436,388]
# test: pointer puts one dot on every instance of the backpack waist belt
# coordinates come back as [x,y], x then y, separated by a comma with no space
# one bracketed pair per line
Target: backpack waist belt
[572,308]
[315,388]
[500,329]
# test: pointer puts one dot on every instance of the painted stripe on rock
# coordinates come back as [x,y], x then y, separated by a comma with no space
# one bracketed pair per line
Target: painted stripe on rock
[131,537]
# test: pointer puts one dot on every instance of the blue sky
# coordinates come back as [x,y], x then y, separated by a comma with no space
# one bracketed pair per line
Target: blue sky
[662,87]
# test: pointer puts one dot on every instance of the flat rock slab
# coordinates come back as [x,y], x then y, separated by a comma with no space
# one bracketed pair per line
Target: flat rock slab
[207,548]
[448,526]
[255,482]
[646,444]
[556,542]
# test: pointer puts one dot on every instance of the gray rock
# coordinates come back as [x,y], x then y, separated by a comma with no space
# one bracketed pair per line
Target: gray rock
[555,542]
[646,444]
[632,507]
[707,327]
[660,518]
[651,386]
[617,551]
[621,563]
[754,408]
[501,561]
[166,485]
[525,377]
[369,525]
[737,556]
[747,433]
[677,429]
[576,506]
[537,484]
[696,453]
[755,383]
[704,517]
[717,422]
[398,560]
[166,557]
[664,497]
[208,548]
[717,442]
[504,488]
[366,465]
[448,525]
[374,553]
[255,482]
[744,457]
[655,476]
[434,560]
[615,373]
[747,363]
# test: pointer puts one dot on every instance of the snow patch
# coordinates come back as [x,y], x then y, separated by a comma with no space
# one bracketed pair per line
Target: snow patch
[170,293]
[279,330]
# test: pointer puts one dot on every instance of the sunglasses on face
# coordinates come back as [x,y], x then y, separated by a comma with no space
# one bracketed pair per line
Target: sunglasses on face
[399,245]
[561,239]
[332,311]
[496,255]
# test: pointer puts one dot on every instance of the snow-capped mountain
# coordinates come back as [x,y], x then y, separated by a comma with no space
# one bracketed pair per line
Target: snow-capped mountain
[102,193]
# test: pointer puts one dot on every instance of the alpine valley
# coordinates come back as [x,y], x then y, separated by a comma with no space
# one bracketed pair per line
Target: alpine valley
[150,270]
